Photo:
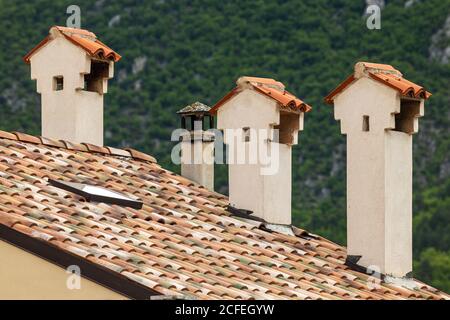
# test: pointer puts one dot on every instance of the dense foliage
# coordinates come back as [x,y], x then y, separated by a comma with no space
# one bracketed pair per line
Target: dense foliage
[179,51]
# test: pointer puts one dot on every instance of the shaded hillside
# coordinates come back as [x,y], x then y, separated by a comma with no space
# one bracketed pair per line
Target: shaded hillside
[176,52]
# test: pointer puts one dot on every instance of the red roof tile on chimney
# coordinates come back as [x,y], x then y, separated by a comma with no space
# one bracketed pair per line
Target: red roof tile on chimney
[268,87]
[382,73]
[83,38]
[406,87]
[285,98]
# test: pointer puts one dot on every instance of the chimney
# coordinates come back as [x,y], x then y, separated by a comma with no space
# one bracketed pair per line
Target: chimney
[379,110]
[197,144]
[72,68]
[259,117]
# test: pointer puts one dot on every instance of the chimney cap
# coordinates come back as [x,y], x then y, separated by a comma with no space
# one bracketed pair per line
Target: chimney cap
[385,74]
[83,38]
[194,108]
[268,87]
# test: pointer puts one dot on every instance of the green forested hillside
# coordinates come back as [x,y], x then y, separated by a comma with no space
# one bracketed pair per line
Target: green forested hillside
[179,51]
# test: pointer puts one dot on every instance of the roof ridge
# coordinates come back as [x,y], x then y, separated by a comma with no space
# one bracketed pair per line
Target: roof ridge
[260,81]
[78,31]
[83,146]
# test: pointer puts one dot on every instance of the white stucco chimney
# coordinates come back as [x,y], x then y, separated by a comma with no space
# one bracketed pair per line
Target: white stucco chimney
[197,144]
[249,115]
[379,110]
[72,68]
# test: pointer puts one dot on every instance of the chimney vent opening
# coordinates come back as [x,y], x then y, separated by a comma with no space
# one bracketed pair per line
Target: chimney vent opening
[287,128]
[366,124]
[246,134]
[404,120]
[208,122]
[188,123]
[196,122]
[58,83]
[93,81]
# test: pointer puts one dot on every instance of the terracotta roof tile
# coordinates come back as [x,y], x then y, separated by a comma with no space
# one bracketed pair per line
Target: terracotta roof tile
[119,152]
[27,138]
[286,99]
[268,87]
[82,38]
[75,146]
[8,135]
[52,142]
[139,155]
[382,73]
[94,148]
[406,88]
[182,242]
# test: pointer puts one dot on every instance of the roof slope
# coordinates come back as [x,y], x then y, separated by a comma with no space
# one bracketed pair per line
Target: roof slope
[182,241]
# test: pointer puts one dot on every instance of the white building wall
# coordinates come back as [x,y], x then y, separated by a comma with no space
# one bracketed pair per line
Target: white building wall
[268,196]
[379,178]
[197,161]
[398,202]
[70,114]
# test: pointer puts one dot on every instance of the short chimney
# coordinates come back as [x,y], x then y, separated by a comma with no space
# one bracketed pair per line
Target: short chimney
[379,110]
[72,68]
[197,144]
[260,118]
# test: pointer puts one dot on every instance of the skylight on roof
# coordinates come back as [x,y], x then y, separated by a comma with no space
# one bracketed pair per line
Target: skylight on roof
[96,193]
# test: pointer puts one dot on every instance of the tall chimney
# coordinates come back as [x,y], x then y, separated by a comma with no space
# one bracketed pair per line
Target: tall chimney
[379,110]
[72,69]
[197,144]
[249,115]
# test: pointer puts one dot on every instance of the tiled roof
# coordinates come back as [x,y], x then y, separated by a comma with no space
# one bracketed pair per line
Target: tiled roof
[268,87]
[82,38]
[385,74]
[182,242]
